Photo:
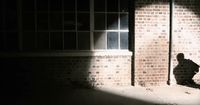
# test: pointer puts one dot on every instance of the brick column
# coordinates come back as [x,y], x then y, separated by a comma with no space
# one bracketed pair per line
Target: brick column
[151,42]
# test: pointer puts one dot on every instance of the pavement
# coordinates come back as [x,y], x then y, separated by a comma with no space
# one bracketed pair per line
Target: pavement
[130,95]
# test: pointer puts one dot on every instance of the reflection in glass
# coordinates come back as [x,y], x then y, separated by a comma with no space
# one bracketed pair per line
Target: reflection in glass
[124,21]
[99,40]
[123,40]
[112,40]
[112,21]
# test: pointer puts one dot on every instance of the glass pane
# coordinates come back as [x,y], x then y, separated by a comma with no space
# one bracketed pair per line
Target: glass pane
[112,5]
[99,40]
[84,41]
[124,40]
[42,5]
[28,5]
[11,5]
[70,40]
[1,22]
[124,5]
[124,21]
[28,21]
[69,21]
[42,21]
[43,40]
[1,41]
[56,40]
[69,5]
[11,21]
[83,5]
[11,41]
[112,40]
[99,21]
[55,5]
[83,21]
[112,21]
[56,21]
[28,41]
[99,5]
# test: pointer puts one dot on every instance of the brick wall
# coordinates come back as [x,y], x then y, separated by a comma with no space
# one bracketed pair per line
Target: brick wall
[186,32]
[151,42]
[72,71]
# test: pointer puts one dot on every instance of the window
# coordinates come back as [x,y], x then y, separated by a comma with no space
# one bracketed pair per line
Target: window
[110,24]
[40,25]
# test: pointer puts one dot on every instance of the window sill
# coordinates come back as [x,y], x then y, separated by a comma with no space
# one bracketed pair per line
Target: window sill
[68,53]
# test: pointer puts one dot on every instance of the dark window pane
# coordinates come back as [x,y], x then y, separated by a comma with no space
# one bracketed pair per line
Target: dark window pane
[84,41]
[28,21]
[55,5]
[124,21]
[42,5]
[99,21]
[112,5]
[112,40]
[28,41]
[69,5]
[43,40]
[99,40]
[124,40]
[28,5]
[99,5]
[56,21]
[11,5]
[56,40]
[112,21]
[11,21]
[42,21]
[69,22]
[83,5]
[11,41]
[124,5]
[70,40]
[1,41]
[1,22]
[83,21]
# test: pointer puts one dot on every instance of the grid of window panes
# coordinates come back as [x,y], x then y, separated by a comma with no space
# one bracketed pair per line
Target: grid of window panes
[40,25]
[110,24]
[8,26]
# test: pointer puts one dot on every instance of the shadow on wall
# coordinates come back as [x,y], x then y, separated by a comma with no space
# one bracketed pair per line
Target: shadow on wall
[185,71]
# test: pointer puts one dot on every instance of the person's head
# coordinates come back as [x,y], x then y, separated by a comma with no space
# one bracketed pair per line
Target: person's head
[180,57]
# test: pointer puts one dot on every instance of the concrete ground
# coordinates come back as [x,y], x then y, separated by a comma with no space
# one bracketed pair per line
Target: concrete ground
[166,95]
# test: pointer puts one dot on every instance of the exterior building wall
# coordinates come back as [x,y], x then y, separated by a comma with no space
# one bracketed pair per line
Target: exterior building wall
[186,33]
[151,42]
[71,71]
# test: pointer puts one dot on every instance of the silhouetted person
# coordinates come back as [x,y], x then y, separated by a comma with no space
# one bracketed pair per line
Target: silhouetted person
[185,70]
